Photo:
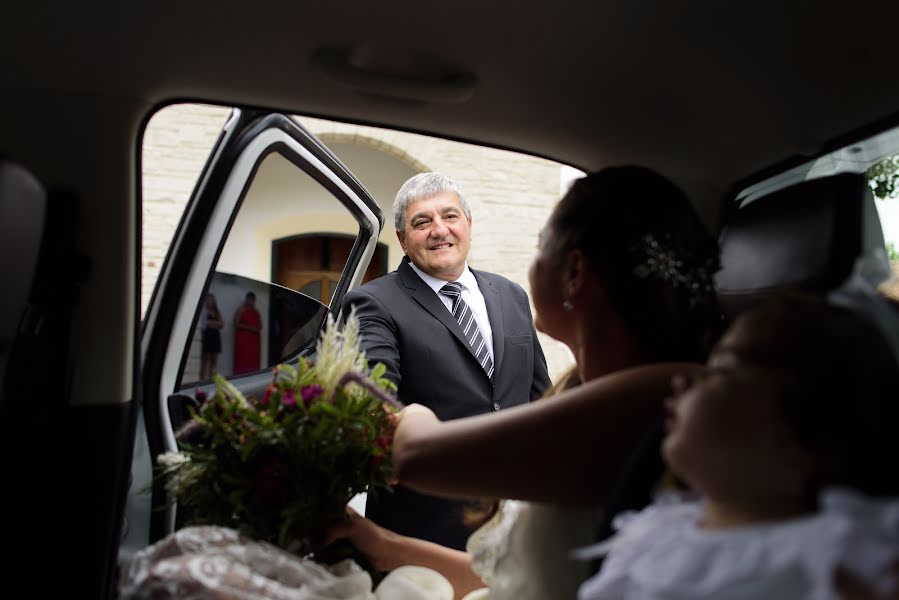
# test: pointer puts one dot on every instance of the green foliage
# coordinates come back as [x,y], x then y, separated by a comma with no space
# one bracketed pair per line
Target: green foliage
[884,177]
[282,468]
[892,253]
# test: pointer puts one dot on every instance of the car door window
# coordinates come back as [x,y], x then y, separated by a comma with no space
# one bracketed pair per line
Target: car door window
[285,255]
[267,181]
[277,275]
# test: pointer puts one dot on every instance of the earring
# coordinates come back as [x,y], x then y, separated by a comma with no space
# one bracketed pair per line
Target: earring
[567,305]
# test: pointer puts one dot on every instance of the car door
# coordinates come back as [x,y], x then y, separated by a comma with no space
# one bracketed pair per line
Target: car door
[237,233]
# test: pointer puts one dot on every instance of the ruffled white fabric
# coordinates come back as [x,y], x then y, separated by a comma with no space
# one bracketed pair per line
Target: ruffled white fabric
[523,553]
[661,553]
[411,582]
[216,562]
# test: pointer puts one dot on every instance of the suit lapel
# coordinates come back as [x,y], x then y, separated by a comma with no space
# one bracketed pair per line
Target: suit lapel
[426,297]
[495,314]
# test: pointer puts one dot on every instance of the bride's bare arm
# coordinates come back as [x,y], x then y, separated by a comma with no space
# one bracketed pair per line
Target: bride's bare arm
[387,550]
[567,449]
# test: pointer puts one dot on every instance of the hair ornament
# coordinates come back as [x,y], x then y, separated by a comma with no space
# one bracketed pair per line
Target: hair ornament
[658,258]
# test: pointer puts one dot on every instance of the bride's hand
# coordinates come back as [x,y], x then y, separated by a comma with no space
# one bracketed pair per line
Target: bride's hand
[368,538]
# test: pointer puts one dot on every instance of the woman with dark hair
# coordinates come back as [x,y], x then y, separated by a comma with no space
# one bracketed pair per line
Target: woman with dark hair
[247,337]
[623,277]
[211,337]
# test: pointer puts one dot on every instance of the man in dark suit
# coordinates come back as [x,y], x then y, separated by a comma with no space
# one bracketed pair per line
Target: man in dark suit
[462,350]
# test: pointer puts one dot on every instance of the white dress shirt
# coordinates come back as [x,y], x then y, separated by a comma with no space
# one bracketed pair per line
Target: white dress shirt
[472,296]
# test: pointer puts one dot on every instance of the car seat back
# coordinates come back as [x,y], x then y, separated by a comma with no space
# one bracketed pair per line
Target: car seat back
[806,237]
[23,204]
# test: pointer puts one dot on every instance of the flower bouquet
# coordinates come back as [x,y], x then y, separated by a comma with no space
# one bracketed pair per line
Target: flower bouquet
[281,468]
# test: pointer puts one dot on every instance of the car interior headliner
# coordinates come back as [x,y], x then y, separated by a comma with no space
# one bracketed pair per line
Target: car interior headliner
[707,92]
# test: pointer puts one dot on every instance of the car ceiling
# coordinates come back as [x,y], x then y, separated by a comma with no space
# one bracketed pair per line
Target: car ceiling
[707,92]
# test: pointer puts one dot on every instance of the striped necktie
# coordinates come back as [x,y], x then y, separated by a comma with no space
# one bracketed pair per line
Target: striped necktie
[463,315]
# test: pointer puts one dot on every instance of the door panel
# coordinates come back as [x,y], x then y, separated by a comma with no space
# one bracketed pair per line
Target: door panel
[266,178]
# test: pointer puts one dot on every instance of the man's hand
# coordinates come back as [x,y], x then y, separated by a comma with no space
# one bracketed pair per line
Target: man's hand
[413,423]
[415,415]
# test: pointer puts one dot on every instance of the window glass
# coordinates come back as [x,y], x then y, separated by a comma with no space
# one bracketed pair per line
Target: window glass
[261,286]
[883,176]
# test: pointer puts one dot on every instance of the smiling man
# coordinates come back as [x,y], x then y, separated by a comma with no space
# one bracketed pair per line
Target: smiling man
[458,340]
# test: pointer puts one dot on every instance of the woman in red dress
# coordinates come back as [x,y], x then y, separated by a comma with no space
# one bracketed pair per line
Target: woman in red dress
[247,338]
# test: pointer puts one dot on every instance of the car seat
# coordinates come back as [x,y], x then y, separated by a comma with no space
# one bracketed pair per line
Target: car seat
[806,237]
[23,204]
[42,279]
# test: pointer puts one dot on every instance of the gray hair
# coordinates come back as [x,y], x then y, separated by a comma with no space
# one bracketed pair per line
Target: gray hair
[422,187]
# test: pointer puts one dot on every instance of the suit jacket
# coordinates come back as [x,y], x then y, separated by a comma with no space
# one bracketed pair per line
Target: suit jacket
[404,325]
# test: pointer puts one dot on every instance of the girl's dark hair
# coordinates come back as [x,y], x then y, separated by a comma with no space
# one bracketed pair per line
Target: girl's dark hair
[214,311]
[645,241]
[840,388]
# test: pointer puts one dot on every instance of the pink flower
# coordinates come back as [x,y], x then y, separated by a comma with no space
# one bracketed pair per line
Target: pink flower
[311,392]
[288,399]
[201,396]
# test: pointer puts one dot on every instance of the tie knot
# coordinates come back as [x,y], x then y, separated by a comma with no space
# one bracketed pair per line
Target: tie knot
[453,288]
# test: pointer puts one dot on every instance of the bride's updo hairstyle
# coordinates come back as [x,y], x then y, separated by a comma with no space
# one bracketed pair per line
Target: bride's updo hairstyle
[645,242]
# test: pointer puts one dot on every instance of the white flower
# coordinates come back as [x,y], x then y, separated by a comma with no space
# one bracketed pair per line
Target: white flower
[172,460]
[337,352]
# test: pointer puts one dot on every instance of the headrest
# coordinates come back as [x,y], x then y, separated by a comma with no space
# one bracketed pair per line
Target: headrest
[805,237]
[23,205]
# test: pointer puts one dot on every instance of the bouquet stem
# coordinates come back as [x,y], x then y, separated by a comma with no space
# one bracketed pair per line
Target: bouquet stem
[365,382]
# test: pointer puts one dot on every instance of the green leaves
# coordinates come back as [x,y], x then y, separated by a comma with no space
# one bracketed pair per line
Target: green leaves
[884,176]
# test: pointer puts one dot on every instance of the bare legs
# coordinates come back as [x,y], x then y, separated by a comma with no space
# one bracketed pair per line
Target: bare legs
[208,365]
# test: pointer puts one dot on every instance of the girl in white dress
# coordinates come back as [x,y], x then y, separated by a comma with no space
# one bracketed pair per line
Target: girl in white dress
[788,435]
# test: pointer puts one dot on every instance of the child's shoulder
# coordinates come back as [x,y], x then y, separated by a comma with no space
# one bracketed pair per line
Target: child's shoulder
[664,548]
[870,529]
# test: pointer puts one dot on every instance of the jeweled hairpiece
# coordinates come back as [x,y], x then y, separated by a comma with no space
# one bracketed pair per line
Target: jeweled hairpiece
[660,259]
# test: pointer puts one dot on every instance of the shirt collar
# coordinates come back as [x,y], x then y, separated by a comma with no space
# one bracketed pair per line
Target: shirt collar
[466,279]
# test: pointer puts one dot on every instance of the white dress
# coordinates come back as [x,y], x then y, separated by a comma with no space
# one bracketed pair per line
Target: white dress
[662,554]
[524,552]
